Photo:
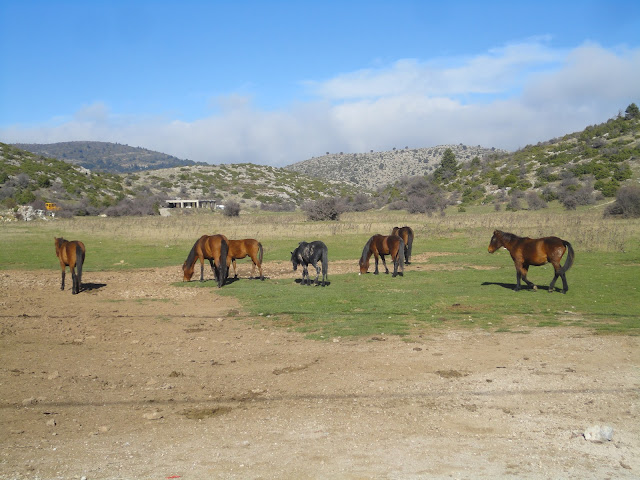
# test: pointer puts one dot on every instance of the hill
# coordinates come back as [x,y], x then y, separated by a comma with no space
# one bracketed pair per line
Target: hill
[377,169]
[105,156]
[27,178]
[576,169]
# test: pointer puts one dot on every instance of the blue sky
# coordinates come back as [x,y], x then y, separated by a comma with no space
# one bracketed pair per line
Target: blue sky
[276,82]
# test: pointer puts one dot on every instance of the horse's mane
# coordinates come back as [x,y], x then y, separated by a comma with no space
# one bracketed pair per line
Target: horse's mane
[365,250]
[191,258]
[507,237]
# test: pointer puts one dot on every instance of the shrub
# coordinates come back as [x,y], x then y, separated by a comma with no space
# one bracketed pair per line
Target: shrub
[535,201]
[231,209]
[324,209]
[627,203]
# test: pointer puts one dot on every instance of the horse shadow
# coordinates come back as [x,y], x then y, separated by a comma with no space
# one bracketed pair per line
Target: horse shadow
[326,283]
[512,286]
[88,287]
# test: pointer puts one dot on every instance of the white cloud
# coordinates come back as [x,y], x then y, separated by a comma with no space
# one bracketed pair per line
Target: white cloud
[507,97]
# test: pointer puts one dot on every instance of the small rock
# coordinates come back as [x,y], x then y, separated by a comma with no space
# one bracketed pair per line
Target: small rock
[599,434]
[29,401]
[152,416]
[51,423]
[53,375]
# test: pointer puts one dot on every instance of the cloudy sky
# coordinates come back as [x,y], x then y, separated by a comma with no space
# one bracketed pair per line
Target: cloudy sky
[276,82]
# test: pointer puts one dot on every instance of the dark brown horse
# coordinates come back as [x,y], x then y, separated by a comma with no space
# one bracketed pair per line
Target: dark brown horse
[406,234]
[248,247]
[379,246]
[213,248]
[534,251]
[71,254]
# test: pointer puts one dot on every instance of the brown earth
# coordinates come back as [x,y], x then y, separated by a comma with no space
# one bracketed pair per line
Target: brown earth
[137,379]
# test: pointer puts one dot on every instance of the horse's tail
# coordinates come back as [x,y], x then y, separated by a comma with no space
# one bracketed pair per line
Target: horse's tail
[570,255]
[222,268]
[401,255]
[325,261]
[79,262]
[260,253]
[409,244]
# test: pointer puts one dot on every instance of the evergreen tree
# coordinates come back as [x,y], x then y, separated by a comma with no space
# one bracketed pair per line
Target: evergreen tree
[632,111]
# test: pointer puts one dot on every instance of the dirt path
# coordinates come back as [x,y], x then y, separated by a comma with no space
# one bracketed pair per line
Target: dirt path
[137,379]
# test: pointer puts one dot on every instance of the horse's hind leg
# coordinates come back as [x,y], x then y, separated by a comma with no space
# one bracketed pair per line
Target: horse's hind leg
[318,275]
[63,275]
[386,270]
[74,278]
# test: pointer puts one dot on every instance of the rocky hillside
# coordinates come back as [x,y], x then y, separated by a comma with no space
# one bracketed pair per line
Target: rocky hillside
[105,156]
[378,169]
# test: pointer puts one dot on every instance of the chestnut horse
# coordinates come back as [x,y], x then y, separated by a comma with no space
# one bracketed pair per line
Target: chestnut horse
[406,234]
[213,248]
[379,246]
[248,247]
[71,253]
[534,251]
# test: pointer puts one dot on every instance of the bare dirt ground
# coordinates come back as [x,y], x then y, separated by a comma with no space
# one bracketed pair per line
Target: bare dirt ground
[137,379]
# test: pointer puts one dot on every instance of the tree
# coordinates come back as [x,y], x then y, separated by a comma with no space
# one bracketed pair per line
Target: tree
[632,111]
[448,166]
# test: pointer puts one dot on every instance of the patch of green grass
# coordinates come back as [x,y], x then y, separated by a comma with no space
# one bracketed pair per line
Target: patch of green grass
[602,296]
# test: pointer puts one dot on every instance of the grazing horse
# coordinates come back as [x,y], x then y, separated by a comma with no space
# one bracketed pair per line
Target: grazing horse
[311,253]
[379,246]
[248,247]
[406,234]
[71,253]
[534,251]
[215,249]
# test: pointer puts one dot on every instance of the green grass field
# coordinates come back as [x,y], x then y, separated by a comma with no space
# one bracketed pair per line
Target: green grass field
[466,287]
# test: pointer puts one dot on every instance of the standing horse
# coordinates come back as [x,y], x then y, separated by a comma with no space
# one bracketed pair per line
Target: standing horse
[248,247]
[534,251]
[71,253]
[311,253]
[379,246]
[406,234]
[215,249]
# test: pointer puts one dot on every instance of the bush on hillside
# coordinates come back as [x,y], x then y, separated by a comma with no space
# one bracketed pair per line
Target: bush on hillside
[627,204]
[324,209]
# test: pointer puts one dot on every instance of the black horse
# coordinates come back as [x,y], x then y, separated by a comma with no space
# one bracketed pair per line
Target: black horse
[311,253]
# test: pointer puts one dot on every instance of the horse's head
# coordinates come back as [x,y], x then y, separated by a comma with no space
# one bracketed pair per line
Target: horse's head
[496,241]
[187,272]
[294,259]
[364,265]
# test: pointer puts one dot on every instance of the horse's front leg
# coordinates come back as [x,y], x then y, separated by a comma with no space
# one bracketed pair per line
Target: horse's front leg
[305,275]
[376,258]
[235,271]
[202,270]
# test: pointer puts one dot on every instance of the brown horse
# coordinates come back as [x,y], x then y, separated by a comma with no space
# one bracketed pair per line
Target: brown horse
[534,251]
[248,247]
[215,249]
[406,234]
[71,253]
[379,246]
